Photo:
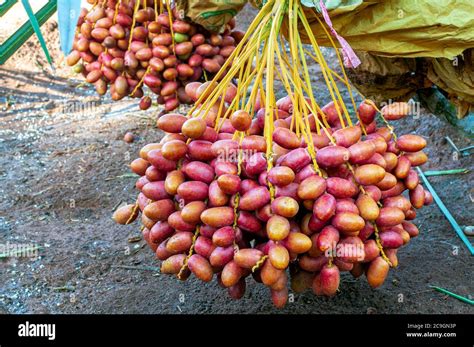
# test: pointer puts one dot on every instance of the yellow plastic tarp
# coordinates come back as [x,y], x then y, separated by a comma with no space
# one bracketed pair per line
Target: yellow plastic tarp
[382,78]
[401,28]
[457,79]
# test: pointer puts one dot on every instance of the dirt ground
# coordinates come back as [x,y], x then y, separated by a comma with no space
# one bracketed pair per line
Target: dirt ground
[63,171]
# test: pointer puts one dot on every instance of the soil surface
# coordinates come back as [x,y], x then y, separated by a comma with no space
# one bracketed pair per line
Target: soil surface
[63,171]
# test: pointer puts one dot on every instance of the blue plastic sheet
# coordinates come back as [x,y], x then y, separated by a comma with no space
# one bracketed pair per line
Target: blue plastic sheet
[68,14]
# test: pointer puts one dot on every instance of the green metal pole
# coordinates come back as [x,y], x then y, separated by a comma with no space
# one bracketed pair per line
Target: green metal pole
[454,295]
[446,172]
[6,6]
[446,212]
[36,28]
[14,42]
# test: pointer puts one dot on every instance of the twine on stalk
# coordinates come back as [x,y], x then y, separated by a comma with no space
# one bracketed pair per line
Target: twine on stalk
[135,209]
[300,123]
[346,82]
[146,23]
[190,253]
[116,10]
[306,128]
[243,45]
[330,260]
[295,66]
[345,79]
[139,84]
[134,21]
[170,18]
[237,195]
[259,263]
[387,124]
[330,83]
[235,102]
[270,96]
[213,94]
[379,245]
